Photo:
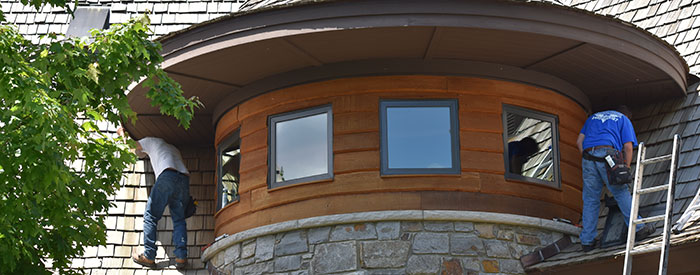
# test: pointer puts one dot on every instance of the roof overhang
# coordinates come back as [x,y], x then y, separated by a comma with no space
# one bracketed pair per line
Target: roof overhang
[597,61]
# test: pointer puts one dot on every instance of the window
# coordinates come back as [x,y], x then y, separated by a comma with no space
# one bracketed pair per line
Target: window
[531,143]
[301,146]
[87,18]
[419,137]
[229,155]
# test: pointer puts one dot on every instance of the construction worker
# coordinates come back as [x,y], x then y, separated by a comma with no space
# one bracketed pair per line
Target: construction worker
[602,134]
[171,188]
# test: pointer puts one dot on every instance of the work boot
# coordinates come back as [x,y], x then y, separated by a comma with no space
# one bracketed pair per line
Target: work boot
[142,260]
[643,233]
[180,263]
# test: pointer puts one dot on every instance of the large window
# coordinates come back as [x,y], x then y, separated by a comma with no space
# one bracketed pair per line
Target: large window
[531,143]
[419,137]
[301,146]
[229,162]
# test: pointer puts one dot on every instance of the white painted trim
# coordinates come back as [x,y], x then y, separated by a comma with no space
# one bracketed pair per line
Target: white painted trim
[378,216]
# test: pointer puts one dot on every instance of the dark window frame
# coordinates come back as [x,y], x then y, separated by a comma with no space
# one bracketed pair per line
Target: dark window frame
[551,118]
[453,104]
[228,141]
[272,141]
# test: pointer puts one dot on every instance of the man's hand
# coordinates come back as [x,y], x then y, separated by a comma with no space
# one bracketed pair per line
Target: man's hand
[120,131]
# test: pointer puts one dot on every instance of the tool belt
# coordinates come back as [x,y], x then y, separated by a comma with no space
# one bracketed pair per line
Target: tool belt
[614,160]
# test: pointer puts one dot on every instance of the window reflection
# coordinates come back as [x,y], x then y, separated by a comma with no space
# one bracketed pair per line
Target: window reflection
[530,146]
[302,148]
[419,137]
[229,165]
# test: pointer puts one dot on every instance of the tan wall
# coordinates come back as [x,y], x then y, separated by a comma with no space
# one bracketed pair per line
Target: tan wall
[358,186]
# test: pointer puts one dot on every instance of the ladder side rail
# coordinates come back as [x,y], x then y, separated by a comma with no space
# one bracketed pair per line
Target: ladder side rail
[639,171]
[663,261]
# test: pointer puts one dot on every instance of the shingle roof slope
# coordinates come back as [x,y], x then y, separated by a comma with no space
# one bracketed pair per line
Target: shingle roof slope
[166,15]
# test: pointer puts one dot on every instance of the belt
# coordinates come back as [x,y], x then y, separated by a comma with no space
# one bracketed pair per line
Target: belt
[175,170]
[597,147]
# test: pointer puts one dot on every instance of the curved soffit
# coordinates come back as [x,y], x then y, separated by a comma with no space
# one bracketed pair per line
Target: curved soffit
[593,60]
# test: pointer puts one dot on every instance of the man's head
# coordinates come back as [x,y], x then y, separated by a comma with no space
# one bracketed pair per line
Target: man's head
[624,110]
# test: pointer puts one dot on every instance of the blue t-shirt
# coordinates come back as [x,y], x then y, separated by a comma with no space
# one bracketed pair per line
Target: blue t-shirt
[608,128]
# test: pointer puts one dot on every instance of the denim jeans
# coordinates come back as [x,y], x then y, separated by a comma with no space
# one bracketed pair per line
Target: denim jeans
[594,176]
[171,188]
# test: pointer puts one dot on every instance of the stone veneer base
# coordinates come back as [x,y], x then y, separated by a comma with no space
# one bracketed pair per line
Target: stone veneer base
[397,242]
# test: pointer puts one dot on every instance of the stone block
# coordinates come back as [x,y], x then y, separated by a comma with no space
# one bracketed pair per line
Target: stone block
[471,264]
[287,263]
[384,254]
[388,230]
[466,244]
[292,243]
[497,249]
[527,239]
[485,230]
[464,226]
[359,231]
[490,266]
[506,235]
[451,266]
[318,235]
[334,257]
[248,249]
[438,226]
[511,266]
[258,268]
[232,254]
[264,248]
[411,226]
[431,243]
[423,264]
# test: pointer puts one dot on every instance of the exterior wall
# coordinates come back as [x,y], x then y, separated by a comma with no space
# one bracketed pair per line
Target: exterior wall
[358,185]
[417,242]
[124,221]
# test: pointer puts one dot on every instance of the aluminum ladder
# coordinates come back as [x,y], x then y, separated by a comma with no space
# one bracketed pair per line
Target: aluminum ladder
[634,212]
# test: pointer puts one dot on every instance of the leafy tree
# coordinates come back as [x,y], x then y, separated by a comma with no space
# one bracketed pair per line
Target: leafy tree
[52,96]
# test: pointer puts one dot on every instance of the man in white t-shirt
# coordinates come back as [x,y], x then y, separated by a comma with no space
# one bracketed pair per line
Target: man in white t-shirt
[172,188]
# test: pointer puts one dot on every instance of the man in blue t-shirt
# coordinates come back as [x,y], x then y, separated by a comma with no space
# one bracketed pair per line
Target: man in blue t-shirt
[602,133]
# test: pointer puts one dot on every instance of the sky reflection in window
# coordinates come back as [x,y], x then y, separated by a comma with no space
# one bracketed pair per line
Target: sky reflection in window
[419,137]
[302,147]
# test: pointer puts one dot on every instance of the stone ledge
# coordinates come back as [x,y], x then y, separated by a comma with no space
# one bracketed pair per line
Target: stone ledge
[377,216]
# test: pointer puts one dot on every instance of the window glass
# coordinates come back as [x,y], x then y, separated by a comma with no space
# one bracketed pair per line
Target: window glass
[419,137]
[301,146]
[229,164]
[531,145]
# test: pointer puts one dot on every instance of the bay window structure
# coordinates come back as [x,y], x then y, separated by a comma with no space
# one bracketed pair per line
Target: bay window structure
[301,146]
[229,160]
[531,150]
[419,137]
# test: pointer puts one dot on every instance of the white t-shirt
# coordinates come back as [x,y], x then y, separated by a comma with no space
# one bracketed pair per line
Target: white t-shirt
[162,155]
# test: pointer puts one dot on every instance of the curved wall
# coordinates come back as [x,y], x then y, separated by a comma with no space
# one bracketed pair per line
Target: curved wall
[357,185]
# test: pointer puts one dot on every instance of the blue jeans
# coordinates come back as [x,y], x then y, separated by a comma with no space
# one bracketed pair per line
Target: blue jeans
[171,188]
[594,176]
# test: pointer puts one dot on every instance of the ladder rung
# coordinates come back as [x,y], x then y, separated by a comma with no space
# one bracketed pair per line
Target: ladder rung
[652,189]
[650,219]
[643,250]
[656,159]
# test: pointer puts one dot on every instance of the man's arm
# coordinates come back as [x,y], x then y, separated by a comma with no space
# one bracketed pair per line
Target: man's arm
[628,148]
[579,142]
[138,150]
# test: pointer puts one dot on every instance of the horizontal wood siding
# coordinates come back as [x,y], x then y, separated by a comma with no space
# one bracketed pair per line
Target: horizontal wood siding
[357,184]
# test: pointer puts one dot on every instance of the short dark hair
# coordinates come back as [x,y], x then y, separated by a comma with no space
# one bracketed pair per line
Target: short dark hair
[624,110]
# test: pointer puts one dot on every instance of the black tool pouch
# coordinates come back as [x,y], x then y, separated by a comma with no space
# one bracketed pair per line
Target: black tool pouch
[618,172]
[190,207]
